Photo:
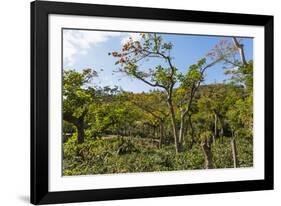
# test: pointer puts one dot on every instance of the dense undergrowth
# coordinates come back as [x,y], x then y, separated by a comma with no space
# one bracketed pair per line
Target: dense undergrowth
[132,154]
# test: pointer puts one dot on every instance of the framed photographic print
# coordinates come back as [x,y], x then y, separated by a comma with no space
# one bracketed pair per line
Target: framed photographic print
[131,102]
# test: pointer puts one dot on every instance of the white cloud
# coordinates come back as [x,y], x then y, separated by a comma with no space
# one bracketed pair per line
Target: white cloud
[134,36]
[78,42]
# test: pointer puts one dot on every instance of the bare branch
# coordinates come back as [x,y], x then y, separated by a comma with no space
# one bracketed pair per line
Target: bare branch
[241,50]
[146,81]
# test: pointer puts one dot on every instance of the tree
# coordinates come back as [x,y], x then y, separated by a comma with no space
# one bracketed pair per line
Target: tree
[206,145]
[112,116]
[241,72]
[243,75]
[153,104]
[77,98]
[234,124]
[204,127]
[189,85]
[163,77]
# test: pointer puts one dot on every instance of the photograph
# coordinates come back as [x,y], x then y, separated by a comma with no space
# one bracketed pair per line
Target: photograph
[135,102]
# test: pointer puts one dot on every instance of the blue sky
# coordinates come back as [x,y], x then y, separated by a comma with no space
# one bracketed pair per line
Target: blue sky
[89,49]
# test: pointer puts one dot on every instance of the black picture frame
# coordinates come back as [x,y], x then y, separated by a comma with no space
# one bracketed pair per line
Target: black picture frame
[39,102]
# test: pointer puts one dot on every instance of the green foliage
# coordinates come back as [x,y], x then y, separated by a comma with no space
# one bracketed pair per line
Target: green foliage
[193,76]
[204,136]
[243,75]
[121,132]
[222,154]
[162,76]
[126,147]
[76,96]
[118,155]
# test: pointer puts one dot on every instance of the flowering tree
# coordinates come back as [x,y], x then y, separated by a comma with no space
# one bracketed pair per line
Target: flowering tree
[164,76]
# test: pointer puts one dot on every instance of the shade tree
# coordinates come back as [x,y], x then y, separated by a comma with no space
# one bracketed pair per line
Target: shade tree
[76,99]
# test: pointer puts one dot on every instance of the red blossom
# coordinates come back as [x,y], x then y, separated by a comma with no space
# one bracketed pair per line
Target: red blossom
[114,54]
[211,53]
[222,42]
[122,60]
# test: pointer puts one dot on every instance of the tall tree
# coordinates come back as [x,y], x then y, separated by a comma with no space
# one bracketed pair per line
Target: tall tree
[163,76]
[77,98]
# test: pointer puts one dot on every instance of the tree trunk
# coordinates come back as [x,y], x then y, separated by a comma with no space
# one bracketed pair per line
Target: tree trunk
[174,125]
[125,131]
[215,128]
[81,134]
[206,147]
[161,138]
[192,132]
[155,135]
[241,51]
[221,134]
[78,123]
[181,132]
[234,152]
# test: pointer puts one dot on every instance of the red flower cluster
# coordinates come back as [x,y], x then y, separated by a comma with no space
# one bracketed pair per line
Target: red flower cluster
[122,60]
[116,54]
[222,42]
[211,53]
